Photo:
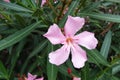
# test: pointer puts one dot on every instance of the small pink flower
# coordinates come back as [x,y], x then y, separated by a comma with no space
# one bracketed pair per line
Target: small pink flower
[75,78]
[7,0]
[43,2]
[33,77]
[70,42]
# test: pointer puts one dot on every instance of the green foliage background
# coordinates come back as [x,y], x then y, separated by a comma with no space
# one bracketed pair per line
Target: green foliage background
[23,49]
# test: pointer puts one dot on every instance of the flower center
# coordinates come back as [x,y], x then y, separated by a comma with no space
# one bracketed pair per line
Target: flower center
[69,40]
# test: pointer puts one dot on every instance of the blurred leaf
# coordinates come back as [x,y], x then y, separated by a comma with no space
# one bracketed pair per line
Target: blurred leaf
[16,37]
[35,51]
[105,17]
[52,69]
[115,64]
[16,55]
[116,69]
[117,1]
[90,7]
[115,78]
[32,3]
[3,72]
[96,57]
[116,49]
[106,45]
[8,31]
[63,69]
[85,72]
[23,14]
[14,6]
[20,20]
[38,48]
[106,74]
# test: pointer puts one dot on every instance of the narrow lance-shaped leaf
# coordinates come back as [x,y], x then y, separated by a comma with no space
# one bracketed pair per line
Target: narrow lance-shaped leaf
[63,70]
[107,72]
[106,45]
[3,72]
[16,37]
[35,51]
[90,7]
[51,68]
[14,6]
[15,56]
[85,72]
[105,17]
[96,57]
[116,1]
[116,69]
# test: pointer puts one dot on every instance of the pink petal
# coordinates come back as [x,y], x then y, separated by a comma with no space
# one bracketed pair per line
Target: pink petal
[40,78]
[59,56]
[75,78]
[54,35]
[78,56]
[87,39]
[31,77]
[73,24]
[7,0]
[43,2]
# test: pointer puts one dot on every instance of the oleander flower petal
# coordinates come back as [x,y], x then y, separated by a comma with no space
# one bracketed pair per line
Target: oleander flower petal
[7,0]
[78,56]
[43,2]
[76,78]
[73,24]
[87,39]
[31,77]
[55,35]
[59,56]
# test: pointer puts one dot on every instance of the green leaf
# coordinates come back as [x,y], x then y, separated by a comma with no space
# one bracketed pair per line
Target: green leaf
[106,74]
[3,72]
[32,3]
[115,78]
[96,57]
[116,49]
[38,48]
[16,55]
[106,45]
[51,68]
[105,17]
[90,7]
[20,20]
[35,51]
[85,72]
[8,31]
[115,69]
[14,6]
[16,37]
[115,64]
[117,1]
[63,69]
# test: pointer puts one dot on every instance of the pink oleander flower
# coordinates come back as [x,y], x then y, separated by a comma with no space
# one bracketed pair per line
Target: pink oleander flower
[33,77]
[70,42]
[75,78]
[7,0]
[43,2]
